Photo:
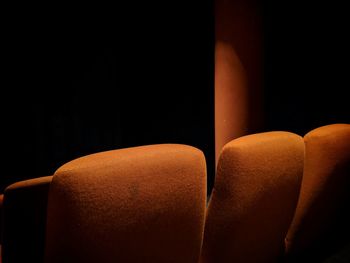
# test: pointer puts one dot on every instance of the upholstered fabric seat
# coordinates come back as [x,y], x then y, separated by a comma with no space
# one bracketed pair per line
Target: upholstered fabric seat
[254,197]
[148,204]
[321,223]
[142,204]
[24,220]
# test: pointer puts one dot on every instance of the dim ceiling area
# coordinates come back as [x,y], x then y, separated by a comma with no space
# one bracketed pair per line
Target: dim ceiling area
[83,79]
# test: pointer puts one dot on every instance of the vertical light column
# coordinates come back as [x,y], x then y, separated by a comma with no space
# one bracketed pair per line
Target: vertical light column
[238,46]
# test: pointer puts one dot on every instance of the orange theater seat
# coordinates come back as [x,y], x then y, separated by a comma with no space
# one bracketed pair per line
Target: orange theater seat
[24,220]
[142,204]
[321,224]
[254,198]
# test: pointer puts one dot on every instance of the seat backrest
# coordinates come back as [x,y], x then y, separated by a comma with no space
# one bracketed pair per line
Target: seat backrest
[141,204]
[254,197]
[321,222]
[24,220]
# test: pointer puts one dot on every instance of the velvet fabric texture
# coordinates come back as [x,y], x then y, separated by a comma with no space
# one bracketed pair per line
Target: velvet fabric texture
[321,222]
[254,198]
[141,204]
[24,220]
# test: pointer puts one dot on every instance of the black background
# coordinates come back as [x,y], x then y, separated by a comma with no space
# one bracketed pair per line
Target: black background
[306,68]
[79,79]
[83,79]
